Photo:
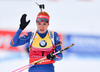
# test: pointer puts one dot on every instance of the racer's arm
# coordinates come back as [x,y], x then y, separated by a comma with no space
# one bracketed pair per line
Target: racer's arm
[16,40]
[57,48]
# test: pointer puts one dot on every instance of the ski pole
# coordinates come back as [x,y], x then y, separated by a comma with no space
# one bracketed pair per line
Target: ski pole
[31,64]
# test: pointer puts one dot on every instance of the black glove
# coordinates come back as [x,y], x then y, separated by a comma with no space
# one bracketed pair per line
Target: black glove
[23,22]
[50,56]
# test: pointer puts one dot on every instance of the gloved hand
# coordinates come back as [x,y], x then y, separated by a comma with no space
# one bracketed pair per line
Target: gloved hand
[23,22]
[50,56]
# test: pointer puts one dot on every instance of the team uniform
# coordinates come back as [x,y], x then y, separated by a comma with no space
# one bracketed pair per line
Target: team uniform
[40,45]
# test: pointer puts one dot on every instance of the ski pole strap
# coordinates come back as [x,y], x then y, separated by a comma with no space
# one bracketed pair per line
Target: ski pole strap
[59,44]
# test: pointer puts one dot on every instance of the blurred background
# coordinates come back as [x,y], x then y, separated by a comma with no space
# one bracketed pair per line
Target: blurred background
[76,21]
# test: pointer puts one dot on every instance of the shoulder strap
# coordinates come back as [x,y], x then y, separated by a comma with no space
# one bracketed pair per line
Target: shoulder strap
[51,36]
[32,36]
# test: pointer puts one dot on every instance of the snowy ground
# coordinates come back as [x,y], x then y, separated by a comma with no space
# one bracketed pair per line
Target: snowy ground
[10,61]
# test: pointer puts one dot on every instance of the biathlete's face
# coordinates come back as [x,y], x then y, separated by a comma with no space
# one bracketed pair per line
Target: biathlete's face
[42,26]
